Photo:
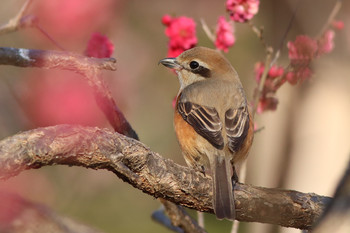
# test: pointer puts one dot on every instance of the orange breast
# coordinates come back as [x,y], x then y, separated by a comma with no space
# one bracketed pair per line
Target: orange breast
[187,138]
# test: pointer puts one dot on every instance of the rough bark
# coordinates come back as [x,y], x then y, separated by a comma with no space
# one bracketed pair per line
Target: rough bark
[146,170]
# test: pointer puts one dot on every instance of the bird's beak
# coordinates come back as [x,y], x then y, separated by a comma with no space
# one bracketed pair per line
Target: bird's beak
[171,62]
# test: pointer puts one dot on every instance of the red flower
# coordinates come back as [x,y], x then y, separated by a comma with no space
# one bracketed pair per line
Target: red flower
[326,43]
[242,10]
[224,34]
[99,46]
[302,50]
[181,32]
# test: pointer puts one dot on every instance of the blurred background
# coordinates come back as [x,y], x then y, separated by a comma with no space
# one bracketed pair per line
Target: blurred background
[304,144]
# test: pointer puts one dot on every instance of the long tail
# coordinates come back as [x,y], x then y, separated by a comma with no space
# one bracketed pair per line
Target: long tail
[223,203]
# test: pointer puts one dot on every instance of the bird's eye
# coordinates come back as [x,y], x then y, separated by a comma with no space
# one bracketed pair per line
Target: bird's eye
[194,65]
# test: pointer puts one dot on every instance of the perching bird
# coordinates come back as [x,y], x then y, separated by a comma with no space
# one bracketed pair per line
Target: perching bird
[212,121]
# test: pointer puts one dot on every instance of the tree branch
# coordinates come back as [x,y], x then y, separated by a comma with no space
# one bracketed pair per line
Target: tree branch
[146,170]
[54,60]
[180,218]
[89,67]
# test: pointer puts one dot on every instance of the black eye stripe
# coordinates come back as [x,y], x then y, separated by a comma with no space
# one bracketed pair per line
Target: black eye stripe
[202,71]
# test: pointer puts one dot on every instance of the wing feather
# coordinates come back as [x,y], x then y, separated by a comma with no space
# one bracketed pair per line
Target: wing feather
[236,125]
[205,121]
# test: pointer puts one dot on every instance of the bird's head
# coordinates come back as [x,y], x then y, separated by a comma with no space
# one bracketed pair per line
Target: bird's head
[198,64]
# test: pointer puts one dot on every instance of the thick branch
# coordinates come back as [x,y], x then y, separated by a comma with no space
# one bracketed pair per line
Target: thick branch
[136,164]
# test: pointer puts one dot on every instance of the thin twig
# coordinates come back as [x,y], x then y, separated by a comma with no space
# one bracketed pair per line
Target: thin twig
[207,30]
[22,21]
[284,37]
[259,33]
[331,17]
[17,22]
[37,26]
[261,85]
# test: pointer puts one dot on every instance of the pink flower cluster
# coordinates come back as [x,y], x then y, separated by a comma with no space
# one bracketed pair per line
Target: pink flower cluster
[242,10]
[181,32]
[224,34]
[99,46]
[302,51]
[273,81]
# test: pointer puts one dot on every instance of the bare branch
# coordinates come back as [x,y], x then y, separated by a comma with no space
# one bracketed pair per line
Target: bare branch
[54,60]
[260,88]
[146,170]
[207,30]
[180,218]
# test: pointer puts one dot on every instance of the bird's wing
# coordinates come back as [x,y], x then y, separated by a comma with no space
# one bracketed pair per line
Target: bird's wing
[237,125]
[205,121]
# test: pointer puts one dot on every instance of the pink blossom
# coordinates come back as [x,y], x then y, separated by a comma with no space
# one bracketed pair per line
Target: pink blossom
[302,50]
[166,20]
[181,32]
[326,43]
[274,72]
[99,46]
[242,10]
[338,24]
[267,103]
[224,34]
[291,78]
[299,75]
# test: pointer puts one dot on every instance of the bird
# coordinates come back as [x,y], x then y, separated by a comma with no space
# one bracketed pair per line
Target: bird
[212,120]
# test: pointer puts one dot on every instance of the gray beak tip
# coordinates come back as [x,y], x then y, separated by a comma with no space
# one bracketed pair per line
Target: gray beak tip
[169,62]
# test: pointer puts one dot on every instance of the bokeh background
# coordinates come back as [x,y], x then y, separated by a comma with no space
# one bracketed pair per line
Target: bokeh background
[304,145]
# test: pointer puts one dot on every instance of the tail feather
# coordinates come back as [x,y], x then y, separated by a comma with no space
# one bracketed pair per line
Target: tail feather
[223,203]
